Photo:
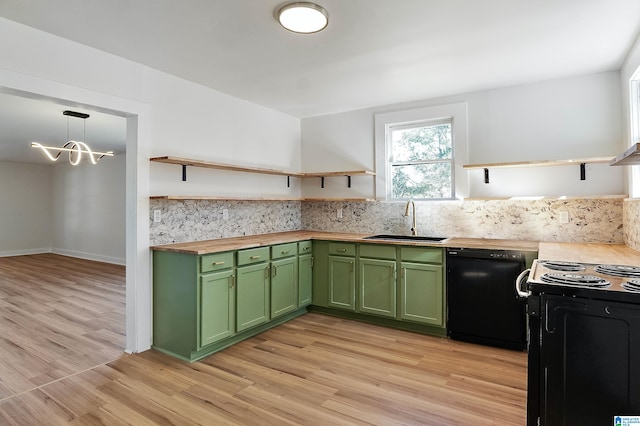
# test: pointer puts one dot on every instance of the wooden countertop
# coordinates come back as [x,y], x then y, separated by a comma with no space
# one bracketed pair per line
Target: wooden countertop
[238,243]
[617,254]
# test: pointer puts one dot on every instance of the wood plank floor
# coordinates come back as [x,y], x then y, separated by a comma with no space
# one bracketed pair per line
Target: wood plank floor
[58,316]
[315,369]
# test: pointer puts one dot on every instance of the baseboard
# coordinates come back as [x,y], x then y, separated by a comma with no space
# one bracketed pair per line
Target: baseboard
[89,256]
[9,253]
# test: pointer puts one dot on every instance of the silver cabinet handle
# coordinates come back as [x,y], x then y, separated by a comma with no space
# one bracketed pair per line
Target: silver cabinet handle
[254,257]
[232,280]
[341,250]
[218,263]
[285,252]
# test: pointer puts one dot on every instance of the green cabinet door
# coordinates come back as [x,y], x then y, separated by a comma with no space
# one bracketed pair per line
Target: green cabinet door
[284,286]
[217,307]
[252,296]
[305,278]
[377,285]
[342,282]
[421,293]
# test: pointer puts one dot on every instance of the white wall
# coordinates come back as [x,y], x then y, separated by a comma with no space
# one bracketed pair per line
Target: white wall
[559,119]
[174,117]
[25,208]
[627,71]
[88,210]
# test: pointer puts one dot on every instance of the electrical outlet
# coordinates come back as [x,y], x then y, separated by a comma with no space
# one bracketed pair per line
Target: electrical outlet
[225,214]
[563,217]
[157,216]
[339,213]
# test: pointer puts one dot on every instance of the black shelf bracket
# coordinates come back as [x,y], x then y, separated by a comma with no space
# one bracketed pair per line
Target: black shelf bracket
[583,172]
[322,182]
[184,172]
[288,181]
[486,175]
[348,181]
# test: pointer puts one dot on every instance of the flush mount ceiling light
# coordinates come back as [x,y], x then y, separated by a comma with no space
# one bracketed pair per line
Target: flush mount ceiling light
[74,148]
[303,17]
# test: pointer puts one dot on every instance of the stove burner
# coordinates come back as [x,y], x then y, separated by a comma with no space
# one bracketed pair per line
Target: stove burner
[563,266]
[619,270]
[580,280]
[632,285]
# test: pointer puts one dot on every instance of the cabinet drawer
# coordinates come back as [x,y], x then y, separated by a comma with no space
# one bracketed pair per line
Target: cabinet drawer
[419,254]
[304,247]
[216,261]
[342,249]
[255,255]
[284,250]
[378,251]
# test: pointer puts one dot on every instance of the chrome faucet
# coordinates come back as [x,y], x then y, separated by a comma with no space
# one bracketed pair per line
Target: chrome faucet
[414,226]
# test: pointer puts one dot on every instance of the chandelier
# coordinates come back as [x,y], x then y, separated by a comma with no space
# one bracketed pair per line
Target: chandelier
[74,148]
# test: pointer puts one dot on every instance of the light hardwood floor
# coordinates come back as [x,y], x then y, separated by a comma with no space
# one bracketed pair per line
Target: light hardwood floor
[58,316]
[315,369]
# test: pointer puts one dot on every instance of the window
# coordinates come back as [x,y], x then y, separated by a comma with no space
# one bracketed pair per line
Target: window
[420,153]
[420,160]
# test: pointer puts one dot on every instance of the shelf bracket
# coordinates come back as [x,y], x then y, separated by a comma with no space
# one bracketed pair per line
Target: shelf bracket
[486,175]
[184,172]
[288,181]
[322,182]
[583,172]
[348,181]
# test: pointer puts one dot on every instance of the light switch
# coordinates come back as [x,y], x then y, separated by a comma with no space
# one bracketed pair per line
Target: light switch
[157,216]
[225,214]
[339,214]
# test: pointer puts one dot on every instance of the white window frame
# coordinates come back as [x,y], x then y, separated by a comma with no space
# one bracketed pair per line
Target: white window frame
[390,164]
[456,112]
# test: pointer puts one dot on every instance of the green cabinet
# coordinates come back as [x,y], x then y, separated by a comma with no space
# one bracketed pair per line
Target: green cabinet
[217,307]
[284,279]
[388,284]
[204,303]
[252,288]
[377,280]
[342,276]
[305,273]
[421,293]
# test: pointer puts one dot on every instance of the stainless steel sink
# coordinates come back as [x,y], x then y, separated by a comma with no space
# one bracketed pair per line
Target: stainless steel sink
[417,238]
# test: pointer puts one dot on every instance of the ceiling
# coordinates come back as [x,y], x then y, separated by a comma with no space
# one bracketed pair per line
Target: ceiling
[374,52]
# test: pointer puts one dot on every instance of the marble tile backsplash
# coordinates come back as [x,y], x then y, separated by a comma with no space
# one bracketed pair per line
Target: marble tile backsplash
[196,220]
[597,220]
[631,213]
[590,220]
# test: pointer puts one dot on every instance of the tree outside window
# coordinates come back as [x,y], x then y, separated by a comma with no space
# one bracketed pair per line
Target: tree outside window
[421,160]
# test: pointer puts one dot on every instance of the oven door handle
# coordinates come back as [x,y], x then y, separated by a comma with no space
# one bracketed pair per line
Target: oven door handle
[522,277]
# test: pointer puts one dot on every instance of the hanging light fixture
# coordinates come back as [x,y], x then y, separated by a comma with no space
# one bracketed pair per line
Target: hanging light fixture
[74,148]
[303,17]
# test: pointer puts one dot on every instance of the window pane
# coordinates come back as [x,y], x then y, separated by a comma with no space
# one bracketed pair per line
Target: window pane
[421,143]
[421,181]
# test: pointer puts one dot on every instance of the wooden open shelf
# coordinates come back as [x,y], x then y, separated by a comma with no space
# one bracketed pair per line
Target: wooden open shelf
[275,198]
[582,162]
[221,166]
[539,163]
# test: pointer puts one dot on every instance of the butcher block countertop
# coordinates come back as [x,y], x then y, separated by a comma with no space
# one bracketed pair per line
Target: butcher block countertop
[238,243]
[617,254]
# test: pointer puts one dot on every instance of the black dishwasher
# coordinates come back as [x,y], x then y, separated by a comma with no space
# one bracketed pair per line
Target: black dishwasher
[482,303]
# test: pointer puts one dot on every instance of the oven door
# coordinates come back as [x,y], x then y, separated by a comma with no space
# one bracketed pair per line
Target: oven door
[589,361]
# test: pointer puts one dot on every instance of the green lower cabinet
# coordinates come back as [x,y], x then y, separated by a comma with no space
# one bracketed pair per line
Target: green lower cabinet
[421,293]
[342,283]
[252,296]
[377,287]
[284,286]
[217,307]
[305,279]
